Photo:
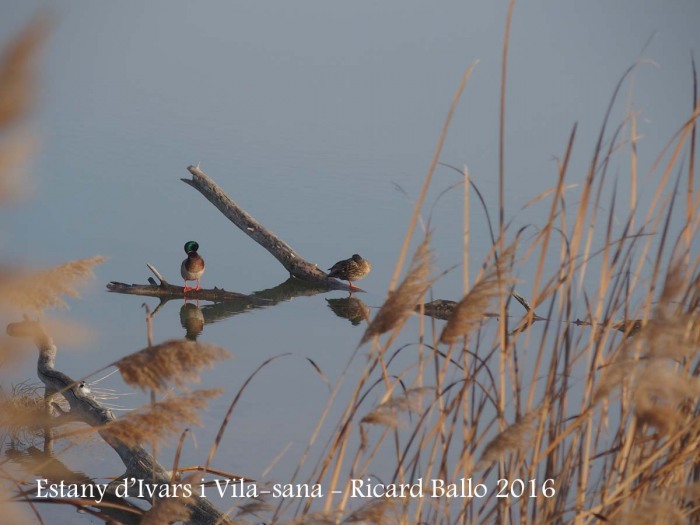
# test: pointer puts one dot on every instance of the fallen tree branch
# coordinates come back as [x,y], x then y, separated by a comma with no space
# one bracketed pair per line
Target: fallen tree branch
[164,289]
[139,463]
[292,262]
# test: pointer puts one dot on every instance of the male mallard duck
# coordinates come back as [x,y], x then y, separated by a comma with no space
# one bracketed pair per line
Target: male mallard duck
[192,268]
[352,269]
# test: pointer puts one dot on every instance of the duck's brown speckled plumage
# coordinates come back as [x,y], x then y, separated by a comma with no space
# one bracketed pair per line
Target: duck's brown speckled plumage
[352,269]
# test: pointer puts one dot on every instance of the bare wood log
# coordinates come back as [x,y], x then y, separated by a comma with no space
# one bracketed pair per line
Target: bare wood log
[166,290]
[224,304]
[292,262]
[172,291]
[444,308]
[139,463]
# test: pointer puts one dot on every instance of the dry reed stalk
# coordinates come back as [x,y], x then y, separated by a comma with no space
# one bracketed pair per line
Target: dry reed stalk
[465,229]
[160,420]
[439,438]
[690,207]
[681,136]
[178,451]
[168,510]
[503,340]
[400,303]
[176,361]
[656,214]
[502,120]
[469,312]
[558,201]
[43,289]
[634,138]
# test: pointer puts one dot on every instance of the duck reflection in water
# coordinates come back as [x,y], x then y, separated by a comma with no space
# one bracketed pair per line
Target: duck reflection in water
[192,320]
[350,308]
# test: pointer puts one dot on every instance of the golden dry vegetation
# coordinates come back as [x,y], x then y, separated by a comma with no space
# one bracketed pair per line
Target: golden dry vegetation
[606,408]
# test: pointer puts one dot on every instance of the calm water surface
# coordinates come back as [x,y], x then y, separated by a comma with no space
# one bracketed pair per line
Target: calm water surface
[308,115]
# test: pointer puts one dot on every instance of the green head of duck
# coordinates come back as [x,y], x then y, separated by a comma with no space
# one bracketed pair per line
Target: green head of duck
[191,246]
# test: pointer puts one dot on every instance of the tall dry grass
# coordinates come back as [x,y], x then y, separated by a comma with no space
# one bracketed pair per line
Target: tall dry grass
[595,420]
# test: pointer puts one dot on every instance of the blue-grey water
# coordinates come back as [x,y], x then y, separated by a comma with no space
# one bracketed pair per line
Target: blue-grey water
[308,114]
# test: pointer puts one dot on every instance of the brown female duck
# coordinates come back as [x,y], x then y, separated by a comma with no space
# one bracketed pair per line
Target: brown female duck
[352,269]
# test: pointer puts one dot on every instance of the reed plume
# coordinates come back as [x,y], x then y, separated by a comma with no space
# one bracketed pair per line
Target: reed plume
[23,413]
[470,311]
[517,436]
[376,511]
[160,420]
[168,510]
[18,88]
[43,289]
[669,506]
[674,333]
[177,361]
[401,302]
[387,412]
[642,360]
[661,393]
[613,377]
